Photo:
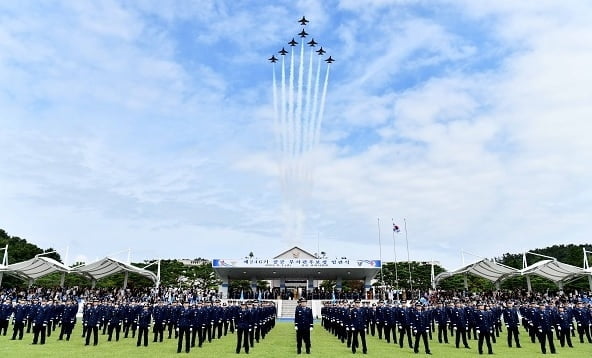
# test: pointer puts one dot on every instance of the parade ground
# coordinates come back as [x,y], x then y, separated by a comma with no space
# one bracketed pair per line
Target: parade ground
[280,342]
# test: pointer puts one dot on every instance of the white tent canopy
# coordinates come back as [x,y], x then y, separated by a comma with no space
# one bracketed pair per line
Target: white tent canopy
[110,266]
[36,267]
[487,269]
[555,271]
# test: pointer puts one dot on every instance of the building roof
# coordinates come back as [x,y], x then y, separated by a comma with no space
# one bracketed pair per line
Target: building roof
[296,264]
[296,253]
[110,266]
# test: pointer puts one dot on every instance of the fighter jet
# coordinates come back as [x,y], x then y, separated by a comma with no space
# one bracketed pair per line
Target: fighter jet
[282,52]
[312,43]
[302,33]
[293,43]
[320,51]
[303,21]
[330,60]
[272,59]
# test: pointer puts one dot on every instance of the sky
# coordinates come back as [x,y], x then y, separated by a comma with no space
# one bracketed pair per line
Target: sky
[147,126]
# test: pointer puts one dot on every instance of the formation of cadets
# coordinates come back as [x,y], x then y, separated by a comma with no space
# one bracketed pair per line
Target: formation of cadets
[191,324]
[418,324]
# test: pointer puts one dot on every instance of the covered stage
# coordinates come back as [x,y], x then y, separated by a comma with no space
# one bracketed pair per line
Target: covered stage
[295,269]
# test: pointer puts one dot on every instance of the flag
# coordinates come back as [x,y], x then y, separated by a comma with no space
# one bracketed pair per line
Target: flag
[395,228]
[333,298]
[242,297]
[259,298]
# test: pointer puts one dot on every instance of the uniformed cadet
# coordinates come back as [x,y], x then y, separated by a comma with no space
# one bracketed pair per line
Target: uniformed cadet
[543,321]
[19,319]
[68,319]
[144,321]
[92,321]
[420,324]
[303,323]
[372,319]
[200,317]
[358,327]
[116,318]
[243,325]
[460,324]
[159,313]
[442,320]
[380,318]
[484,325]
[183,324]
[512,322]
[583,321]
[404,320]
[6,309]
[563,320]
[40,317]
[172,312]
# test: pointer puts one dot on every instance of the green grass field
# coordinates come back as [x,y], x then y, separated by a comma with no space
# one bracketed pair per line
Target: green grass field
[279,343]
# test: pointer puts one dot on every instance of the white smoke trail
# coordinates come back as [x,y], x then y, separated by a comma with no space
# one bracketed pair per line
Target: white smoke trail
[322,107]
[291,118]
[283,136]
[306,120]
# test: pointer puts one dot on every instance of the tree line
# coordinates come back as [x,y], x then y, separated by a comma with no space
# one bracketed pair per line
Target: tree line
[402,275]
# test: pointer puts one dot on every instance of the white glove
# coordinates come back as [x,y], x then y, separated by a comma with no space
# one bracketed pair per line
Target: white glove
[311,328]
[296,327]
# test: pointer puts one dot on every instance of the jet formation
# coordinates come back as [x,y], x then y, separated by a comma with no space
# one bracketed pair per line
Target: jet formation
[311,43]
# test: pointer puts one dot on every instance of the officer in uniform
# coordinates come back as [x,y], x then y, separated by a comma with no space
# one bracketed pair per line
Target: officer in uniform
[442,320]
[484,325]
[144,320]
[20,317]
[420,322]
[183,326]
[92,322]
[358,326]
[40,319]
[115,318]
[68,319]
[243,326]
[303,323]
[563,320]
[582,316]
[543,321]
[5,313]
[512,322]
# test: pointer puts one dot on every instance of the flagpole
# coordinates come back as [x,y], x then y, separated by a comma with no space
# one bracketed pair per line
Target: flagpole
[380,257]
[408,259]
[395,252]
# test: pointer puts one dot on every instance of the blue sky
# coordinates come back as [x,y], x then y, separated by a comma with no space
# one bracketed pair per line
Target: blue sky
[148,125]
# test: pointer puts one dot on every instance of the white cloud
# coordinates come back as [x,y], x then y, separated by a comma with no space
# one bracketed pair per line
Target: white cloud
[121,130]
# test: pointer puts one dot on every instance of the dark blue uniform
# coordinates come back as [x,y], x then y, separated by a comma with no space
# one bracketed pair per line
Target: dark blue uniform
[21,311]
[144,320]
[543,321]
[358,326]
[303,322]
[420,323]
[184,326]
[512,322]
[243,326]
[484,325]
